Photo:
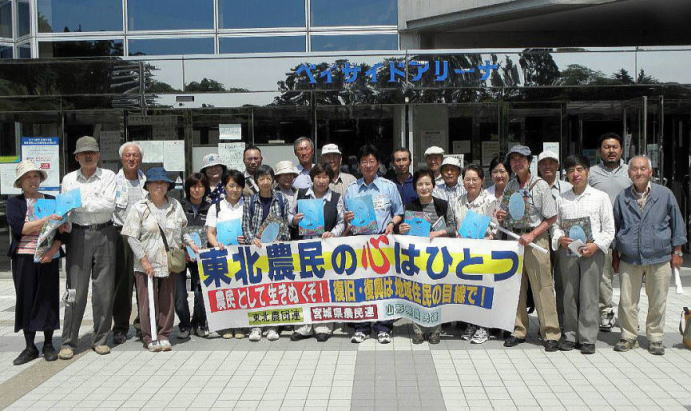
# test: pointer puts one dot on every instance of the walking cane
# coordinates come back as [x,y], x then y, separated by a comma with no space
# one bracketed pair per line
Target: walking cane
[152,309]
[677,281]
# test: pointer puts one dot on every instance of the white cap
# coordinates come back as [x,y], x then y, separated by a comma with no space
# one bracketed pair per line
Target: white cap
[285,167]
[331,149]
[434,150]
[451,161]
[211,159]
[547,154]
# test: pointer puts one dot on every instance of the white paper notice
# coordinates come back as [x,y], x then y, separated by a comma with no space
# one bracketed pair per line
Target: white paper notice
[45,153]
[109,143]
[489,150]
[230,131]
[231,155]
[153,150]
[7,176]
[461,146]
[174,155]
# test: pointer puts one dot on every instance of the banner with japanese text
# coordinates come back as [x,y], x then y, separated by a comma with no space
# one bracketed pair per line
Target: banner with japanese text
[363,278]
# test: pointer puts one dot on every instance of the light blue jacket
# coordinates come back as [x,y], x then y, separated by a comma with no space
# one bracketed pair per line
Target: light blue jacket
[648,236]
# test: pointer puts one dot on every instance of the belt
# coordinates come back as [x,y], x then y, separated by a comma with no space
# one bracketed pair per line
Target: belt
[93,226]
[523,230]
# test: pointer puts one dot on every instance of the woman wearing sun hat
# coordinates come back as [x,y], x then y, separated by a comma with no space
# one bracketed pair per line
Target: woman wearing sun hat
[157,212]
[36,284]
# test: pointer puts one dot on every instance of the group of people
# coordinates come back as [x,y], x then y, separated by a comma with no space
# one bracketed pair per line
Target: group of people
[129,228]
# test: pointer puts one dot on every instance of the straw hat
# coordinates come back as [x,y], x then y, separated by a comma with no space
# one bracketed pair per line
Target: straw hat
[25,167]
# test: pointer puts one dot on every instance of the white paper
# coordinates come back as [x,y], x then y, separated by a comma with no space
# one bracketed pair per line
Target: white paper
[109,144]
[231,155]
[433,138]
[461,146]
[575,245]
[45,153]
[490,149]
[7,177]
[174,155]
[230,131]
[153,151]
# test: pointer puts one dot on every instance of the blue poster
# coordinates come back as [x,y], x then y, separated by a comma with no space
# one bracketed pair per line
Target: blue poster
[67,201]
[474,225]
[44,207]
[197,241]
[419,223]
[227,232]
[312,223]
[365,221]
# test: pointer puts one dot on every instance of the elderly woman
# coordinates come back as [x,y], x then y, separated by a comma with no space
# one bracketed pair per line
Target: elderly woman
[500,173]
[36,284]
[334,225]
[435,208]
[266,203]
[481,202]
[149,219]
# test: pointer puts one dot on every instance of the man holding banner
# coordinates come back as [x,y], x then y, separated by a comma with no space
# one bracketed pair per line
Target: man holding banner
[529,212]
[388,211]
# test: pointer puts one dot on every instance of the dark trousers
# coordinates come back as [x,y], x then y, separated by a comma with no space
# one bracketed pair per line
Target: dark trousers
[379,326]
[164,295]
[124,286]
[37,288]
[182,308]
[90,258]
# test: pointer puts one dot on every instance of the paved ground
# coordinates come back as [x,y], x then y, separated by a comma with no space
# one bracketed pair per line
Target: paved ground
[238,374]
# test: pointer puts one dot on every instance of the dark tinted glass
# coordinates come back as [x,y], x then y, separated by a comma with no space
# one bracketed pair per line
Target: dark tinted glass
[354,13]
[262,44]
[171,46]
[268,13]
[355,42]
[23,17]
[5,18]
[170,14]
[79,15]
[92,48]
[24,51]
[6,52]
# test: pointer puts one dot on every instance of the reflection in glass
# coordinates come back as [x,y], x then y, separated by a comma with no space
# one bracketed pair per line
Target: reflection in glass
[5,18]
[23,17]
[5,52]
[262,44]
[162,47]
[88,48]
[55,16]
[235,14]
[354,13]
[24,51]
[355,42]
[169,14]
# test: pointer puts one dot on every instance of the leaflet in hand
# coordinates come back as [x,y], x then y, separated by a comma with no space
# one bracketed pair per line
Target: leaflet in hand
[67,201]
[365,221]
[197,241]
[312,223]
[227,232]
[474,225]
[575,246]
[419,223]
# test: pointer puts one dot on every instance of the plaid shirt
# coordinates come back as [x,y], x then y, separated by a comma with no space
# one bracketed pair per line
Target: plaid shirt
[252,216]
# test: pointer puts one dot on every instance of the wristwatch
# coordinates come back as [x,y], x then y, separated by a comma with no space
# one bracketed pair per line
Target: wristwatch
[679,253]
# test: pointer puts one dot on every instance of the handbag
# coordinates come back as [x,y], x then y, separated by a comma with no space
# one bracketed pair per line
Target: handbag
[175,256]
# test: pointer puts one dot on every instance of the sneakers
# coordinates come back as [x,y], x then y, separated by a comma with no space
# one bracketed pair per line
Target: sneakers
[358,337]
[469,332]
[227,334]
[101,349]
[383,337]
[153,346]
[607,320]
[183,334]
[480,336]
[272,334]
[255,334]
[66,353]
[625,345]
[28,354]
[165,345]
[49,353]
[296,336]
[201,332]
[656,348]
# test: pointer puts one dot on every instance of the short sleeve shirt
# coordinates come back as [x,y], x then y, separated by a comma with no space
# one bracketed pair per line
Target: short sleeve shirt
[385,196]
[540,204]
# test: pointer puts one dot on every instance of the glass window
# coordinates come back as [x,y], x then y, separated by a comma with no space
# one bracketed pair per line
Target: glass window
[354,13]
[91,48]
[6,52]
[23,18]
[24,51]
[355,42]
[262,44]
[171,46]
[170,14]
[239,14]
[56,16]
[5,18]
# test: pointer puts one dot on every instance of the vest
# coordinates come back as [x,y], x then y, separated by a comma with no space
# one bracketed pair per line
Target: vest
[330,208]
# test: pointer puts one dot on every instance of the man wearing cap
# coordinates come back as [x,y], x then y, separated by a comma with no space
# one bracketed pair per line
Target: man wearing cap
[450,189]
[303,148]
[540,214]
[611,175]
[91,252]
[129,188]
[214,169]
[252,157]
[402,178]
[434,157]
[332,157]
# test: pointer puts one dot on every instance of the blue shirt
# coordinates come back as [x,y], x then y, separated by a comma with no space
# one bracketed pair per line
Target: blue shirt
[385,196]
[406,189]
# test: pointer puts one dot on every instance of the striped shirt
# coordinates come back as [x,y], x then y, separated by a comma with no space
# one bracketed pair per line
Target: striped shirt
[27,244]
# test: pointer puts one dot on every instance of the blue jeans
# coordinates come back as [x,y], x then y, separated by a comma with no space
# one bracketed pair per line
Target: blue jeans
[182,308]
[379,326]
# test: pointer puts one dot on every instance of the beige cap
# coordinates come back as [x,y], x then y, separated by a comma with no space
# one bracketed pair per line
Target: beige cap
[434,150]
[27,166]
[451,161]
[547,154]
[331,149]
[285,167]
[86,143]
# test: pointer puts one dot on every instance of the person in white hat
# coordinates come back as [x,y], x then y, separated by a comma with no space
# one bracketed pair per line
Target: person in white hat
[548,169]
[433,157]
[214,169]
[91,251]
[449,190]
[285,173]
[333,157]
[36,284]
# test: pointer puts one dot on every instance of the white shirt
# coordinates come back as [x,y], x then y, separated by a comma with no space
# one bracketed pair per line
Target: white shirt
[591,203]
[97,195]
[226,212]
